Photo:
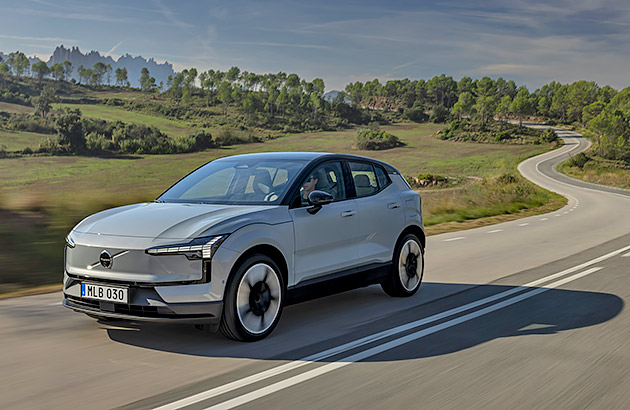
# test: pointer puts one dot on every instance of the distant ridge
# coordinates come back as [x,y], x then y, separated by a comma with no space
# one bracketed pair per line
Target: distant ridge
[131,63]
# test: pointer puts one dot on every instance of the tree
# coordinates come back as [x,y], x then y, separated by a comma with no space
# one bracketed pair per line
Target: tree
[485,107]
[5,70]
[225,95]
[521,105]
[144,78]
[121,76]
[67,70]
[99,72]
[40,69]
[464,105]
[44,101]
[591,111]
[503,108]
[70,130]
[18,63]
[58,72]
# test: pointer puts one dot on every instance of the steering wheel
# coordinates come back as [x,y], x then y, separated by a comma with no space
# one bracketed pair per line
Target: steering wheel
[270,197]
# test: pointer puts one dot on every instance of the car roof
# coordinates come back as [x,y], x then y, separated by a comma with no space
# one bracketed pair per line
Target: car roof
[306,156]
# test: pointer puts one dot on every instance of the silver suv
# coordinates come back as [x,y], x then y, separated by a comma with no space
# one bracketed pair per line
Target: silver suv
[233,242]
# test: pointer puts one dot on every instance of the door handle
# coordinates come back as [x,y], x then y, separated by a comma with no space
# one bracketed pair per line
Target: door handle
[346,214]
[393,205]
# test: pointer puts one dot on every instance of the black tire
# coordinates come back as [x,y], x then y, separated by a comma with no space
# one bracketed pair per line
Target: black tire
[262,299]
[400,282]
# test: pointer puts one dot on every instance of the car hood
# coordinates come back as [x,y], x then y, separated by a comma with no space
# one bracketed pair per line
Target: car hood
[177,220]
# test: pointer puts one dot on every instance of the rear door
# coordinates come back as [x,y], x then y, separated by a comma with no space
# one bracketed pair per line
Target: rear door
[381,215]
[325,242]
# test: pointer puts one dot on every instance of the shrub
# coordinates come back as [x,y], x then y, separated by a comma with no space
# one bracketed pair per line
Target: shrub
[505,179]
[376,140]
[504,135]
[579,160]
[416,114]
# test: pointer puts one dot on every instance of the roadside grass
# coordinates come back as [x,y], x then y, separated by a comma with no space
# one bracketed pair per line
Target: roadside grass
[109,113]
[18,140]
[600,172]
[58,191]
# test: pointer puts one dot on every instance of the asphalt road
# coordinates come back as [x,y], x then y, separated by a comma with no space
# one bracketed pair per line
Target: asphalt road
[525,314]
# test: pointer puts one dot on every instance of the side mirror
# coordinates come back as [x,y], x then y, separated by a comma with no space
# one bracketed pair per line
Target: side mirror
[317,199]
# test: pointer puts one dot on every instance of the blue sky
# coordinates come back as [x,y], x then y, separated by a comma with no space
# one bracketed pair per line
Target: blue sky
[531,42]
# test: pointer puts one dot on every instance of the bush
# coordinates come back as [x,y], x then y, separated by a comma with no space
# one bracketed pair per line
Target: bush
[374,140]
[504,135]
[505,179]
[579,160]
[416,114]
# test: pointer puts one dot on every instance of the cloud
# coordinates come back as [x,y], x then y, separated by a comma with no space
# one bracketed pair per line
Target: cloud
[28,38]
[271,44]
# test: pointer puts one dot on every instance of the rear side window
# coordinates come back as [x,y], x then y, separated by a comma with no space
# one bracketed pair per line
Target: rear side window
[364,177]
[382,177]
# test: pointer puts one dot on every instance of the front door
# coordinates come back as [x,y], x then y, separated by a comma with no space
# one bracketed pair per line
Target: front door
[325,242]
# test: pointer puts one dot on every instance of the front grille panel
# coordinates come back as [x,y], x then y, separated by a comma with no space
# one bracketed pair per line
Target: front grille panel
[122,308]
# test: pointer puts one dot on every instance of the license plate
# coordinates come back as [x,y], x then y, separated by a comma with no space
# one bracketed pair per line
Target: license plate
[108,293]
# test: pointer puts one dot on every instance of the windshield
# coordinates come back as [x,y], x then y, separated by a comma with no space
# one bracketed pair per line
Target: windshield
[236,182]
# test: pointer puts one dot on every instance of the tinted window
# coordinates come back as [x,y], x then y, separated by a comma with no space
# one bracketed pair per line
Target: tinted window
[327,177]
[236,182]
[382,177]
[364,177]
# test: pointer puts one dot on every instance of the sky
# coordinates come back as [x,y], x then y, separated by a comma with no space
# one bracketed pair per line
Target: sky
[531,42]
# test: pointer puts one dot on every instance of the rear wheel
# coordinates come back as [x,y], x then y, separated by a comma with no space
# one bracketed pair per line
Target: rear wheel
[253,300]
[407,268]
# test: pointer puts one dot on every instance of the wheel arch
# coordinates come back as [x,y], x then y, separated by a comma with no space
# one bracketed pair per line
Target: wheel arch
[267,250]
[415,230]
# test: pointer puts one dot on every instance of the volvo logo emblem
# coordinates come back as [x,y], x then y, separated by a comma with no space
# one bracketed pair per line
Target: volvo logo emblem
[106,260]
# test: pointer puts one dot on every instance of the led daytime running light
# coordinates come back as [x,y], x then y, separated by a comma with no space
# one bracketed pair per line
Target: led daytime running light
[192,250]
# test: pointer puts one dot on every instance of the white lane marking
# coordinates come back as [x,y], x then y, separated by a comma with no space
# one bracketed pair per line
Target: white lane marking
[54,304]
[627,255]
[495,231]
[558,215]
[237,384]
[566,212]
[525,224]
[265,391]
[545,219]
[459,238]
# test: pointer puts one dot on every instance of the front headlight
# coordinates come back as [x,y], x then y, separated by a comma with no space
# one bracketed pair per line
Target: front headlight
[199,248]
[70,242]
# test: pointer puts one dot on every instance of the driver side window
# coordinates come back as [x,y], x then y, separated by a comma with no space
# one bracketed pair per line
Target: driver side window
[327,177]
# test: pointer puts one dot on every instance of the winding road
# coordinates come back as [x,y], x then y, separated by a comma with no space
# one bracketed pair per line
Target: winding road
[519,315]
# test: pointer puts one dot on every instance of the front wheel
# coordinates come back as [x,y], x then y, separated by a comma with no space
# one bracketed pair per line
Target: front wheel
[253,300]
[407,268]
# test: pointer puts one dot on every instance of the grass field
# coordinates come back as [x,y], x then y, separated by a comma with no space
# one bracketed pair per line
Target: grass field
[18,140]
[108,113]
[43,197]
[16,108]
[599,172]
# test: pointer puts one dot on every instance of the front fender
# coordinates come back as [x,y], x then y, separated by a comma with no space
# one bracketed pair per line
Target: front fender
[280,236]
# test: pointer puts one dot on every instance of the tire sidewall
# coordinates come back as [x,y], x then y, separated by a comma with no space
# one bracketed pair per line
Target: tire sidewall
[231,324]
[395,283]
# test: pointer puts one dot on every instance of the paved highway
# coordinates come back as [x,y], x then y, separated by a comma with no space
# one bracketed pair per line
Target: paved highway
[522,314]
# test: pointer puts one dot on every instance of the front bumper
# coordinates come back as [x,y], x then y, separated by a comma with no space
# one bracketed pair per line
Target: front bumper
[195,313]
[147,304]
